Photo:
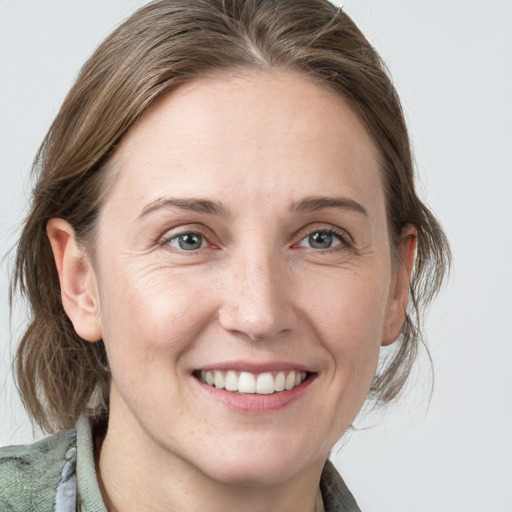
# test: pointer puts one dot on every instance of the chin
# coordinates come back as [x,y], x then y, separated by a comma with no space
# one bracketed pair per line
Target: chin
[260,474]
[261,462]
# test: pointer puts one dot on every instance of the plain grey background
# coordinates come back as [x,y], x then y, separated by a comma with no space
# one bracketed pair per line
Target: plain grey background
[452,64]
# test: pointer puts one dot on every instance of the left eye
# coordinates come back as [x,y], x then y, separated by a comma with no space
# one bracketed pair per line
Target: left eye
[322,239]
[188,241]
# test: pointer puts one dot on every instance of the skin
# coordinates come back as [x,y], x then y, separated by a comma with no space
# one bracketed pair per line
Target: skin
[259,144]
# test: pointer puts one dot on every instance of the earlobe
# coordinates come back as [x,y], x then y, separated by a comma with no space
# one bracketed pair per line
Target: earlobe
[78,285]
[399,292]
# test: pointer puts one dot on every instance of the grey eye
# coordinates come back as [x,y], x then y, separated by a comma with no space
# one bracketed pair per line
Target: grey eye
[321,240]
[187,241]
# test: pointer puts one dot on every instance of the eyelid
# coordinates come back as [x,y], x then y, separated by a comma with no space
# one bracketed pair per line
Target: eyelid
[198,229]
[308,230]
[301,234]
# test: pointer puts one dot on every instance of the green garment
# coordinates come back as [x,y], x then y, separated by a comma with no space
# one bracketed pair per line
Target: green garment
[57,474]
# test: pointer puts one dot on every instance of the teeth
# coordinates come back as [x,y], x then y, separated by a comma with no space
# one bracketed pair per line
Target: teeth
[246,382]
[279,383]
[265,384]
[231,381]
[219,380]
[290,381]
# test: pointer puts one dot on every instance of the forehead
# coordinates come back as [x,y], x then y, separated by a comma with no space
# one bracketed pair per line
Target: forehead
[262,133]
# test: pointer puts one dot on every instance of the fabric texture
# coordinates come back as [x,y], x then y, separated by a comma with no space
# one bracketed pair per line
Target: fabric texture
[30,475]
[57,474]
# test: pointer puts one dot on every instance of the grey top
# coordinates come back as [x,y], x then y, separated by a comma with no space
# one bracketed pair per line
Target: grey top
[57,474]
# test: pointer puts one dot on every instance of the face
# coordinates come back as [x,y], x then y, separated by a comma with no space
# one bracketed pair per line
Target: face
[243,246]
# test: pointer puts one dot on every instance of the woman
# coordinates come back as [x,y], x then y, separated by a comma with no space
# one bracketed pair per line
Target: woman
[222,237]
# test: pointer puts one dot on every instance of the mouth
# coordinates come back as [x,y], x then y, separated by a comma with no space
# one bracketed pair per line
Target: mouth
[244,382]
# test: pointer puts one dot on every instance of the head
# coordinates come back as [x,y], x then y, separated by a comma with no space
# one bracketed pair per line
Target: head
[170,53]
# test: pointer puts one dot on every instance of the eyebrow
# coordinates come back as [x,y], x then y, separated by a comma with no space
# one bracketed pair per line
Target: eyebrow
[307,205]
[193,205]
[313,204]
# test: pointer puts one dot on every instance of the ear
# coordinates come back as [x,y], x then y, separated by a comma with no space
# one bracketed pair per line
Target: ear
[78,284]
[399,291]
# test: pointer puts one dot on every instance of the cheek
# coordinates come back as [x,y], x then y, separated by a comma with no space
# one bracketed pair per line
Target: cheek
[348,311]
[150,318]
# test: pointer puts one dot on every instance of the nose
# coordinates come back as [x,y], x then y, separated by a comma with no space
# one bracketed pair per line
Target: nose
[257,298]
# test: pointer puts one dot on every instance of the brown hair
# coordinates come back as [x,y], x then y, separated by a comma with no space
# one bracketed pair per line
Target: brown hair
[163,45]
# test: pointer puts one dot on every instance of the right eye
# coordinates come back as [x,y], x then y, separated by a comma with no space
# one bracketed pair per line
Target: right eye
[322,239]
[189,241]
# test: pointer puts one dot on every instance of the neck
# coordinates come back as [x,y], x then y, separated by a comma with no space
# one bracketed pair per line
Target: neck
[136,474]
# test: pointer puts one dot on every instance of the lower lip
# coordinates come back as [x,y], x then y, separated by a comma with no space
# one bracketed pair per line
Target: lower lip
[252,403]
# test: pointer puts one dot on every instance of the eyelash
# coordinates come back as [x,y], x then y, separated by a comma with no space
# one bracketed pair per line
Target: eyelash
[342,236]
[169,237]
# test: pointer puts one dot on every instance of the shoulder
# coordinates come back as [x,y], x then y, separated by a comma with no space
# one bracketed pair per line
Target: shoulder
[30,474]
[335,493]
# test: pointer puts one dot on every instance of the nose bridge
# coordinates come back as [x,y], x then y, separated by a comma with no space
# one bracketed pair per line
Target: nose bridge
[255,298]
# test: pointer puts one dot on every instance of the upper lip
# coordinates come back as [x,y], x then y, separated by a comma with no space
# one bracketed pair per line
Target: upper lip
[256,367]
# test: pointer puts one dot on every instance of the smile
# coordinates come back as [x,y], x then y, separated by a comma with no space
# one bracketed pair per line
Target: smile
[265,383]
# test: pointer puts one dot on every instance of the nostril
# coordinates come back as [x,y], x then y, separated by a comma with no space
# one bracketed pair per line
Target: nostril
[255,323]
